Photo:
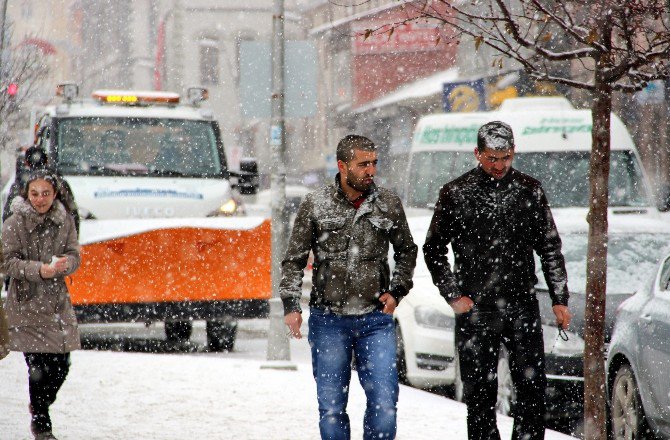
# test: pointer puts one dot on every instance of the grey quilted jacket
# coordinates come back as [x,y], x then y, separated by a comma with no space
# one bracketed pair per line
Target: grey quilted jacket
[351,249]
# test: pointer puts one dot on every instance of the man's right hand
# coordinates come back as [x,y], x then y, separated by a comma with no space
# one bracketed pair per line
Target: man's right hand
[461,305]
[294,320]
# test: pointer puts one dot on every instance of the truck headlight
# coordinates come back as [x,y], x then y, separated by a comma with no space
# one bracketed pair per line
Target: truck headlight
[228,208]
[427,316]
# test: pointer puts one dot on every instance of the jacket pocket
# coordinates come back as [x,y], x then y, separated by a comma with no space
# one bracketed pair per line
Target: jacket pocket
[334,282]
[22,289]
[332,235]
[376,235]
[381,223]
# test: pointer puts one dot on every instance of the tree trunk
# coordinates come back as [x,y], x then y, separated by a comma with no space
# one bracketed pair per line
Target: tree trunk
[596,267]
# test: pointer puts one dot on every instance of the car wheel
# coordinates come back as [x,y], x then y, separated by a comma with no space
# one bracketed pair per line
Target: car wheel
[178,331]
[221,334]
[506,393]
[401,358]
[628,420]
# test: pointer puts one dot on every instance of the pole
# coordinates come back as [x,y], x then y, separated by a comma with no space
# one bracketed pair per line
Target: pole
[3,21]
[278,343]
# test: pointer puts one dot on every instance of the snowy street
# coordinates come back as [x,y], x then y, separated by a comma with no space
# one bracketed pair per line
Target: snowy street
[197,395]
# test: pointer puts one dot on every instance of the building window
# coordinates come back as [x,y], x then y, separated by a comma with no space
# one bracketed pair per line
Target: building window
[209,62]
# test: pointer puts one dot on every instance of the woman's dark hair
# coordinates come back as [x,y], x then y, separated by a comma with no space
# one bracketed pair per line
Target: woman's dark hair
[42,174]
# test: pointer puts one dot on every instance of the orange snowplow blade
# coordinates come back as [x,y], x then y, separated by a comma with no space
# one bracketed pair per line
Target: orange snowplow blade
[175,264]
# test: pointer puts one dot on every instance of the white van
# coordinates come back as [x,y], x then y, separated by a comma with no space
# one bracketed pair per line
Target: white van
[553,143]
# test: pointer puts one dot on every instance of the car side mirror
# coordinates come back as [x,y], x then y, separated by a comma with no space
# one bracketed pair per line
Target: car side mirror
[247,177]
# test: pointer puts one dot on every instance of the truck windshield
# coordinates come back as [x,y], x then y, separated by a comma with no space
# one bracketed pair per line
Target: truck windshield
[564,176]
[138,146]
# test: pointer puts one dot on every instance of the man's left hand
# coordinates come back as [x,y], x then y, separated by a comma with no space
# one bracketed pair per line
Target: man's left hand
[563,316]
[389,303]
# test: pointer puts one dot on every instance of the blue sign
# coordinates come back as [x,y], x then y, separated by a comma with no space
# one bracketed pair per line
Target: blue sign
[464,96]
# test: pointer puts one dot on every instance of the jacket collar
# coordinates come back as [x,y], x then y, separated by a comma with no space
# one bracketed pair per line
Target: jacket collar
[22,207]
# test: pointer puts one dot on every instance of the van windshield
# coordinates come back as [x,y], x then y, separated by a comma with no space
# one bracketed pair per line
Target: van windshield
[564,176]
[138,146]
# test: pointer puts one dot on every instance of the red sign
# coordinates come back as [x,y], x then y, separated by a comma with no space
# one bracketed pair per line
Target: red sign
[409,37]
[12,89]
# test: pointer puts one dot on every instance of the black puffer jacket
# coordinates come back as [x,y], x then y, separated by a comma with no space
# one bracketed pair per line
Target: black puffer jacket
[493,227]
[350,250]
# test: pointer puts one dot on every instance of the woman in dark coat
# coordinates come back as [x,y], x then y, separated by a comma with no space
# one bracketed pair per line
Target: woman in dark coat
[40,248]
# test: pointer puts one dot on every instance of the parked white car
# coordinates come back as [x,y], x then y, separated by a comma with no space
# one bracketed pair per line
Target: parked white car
[425,326]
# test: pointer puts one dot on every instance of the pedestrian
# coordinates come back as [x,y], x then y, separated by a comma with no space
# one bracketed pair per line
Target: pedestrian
[494,217]
[348,225]
[40,248]
[35,158]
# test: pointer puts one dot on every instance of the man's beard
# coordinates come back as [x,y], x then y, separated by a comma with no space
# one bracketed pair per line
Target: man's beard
[359,185]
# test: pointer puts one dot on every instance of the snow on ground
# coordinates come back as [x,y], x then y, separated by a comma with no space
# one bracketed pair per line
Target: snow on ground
[120,395]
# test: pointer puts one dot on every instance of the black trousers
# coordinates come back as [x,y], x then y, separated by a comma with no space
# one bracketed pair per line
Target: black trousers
[46,374]
[479,334]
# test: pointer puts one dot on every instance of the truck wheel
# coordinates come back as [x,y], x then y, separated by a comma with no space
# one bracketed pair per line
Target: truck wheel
[178,331]
[221,334]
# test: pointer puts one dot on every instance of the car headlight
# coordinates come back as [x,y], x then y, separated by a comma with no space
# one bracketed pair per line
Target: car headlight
[427,316]
[228,208]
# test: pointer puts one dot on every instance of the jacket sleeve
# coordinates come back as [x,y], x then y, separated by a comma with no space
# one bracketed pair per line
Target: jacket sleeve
[436,247]
[12,251]
[295,259]
[547,245]
[71,247]
[404,255]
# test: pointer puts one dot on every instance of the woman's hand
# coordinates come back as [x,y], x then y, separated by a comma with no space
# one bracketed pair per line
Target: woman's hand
[47,271]
[60,265]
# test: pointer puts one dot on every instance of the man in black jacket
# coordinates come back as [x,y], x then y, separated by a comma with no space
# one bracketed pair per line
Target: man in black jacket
[494,217]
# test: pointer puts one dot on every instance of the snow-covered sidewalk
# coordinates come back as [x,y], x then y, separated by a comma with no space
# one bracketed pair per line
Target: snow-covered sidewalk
[117,395]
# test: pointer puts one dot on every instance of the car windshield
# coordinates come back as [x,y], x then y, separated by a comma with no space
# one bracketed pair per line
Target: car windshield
[564,176]
[631,260]
[138,146]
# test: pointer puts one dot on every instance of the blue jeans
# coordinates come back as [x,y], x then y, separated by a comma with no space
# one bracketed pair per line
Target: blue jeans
[371,337]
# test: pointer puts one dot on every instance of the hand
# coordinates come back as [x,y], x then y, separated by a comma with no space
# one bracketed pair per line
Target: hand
[61,265]
[461,305]
[389,303]
[47,271]
[294,320]
[563,316]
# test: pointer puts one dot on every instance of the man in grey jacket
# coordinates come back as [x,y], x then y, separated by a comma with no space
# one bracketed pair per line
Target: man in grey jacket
[349,225]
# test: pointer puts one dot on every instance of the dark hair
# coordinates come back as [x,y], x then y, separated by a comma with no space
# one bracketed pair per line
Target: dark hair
[36,157]
[351,142]
[495,135]
[42,174]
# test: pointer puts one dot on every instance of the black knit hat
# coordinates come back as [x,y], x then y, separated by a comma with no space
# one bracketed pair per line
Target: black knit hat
[36,158]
